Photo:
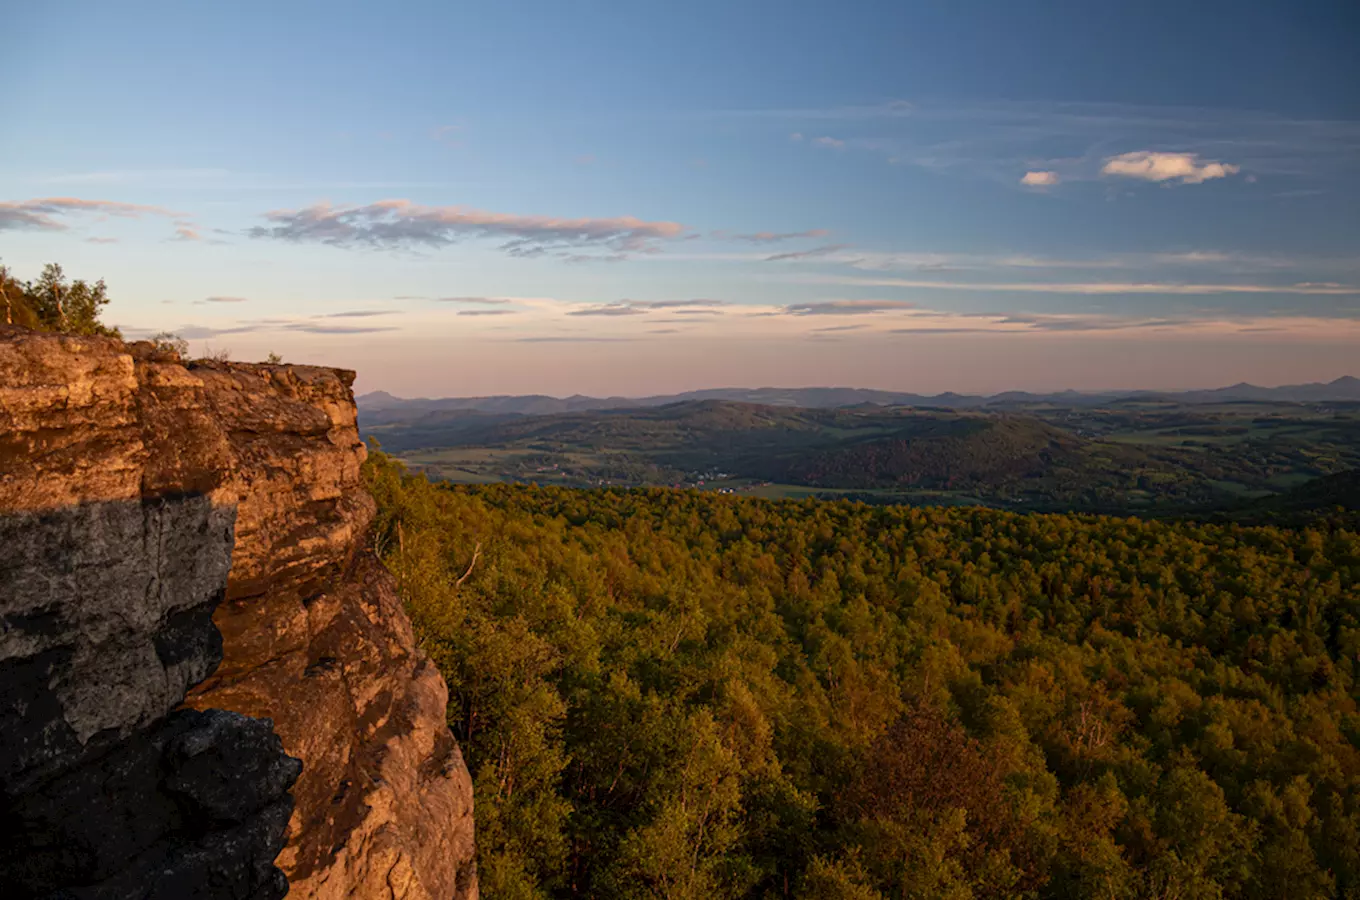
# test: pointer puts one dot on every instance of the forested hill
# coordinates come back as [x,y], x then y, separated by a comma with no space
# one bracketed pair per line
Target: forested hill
[684,695]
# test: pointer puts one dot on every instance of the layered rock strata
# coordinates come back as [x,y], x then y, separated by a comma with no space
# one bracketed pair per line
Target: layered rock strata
[189,609]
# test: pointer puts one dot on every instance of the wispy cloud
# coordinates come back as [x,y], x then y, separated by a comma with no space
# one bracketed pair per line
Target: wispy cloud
[225,299]
[679,304]
[1198,260]
[485,301]
[101,240]
[46,214]
[609,309]
[401,224]
[570,339]
[199,332]
[773,237]
[1040,179]
[1191,321]
[846,307]
[583,258]
[1074,140]
[930,329]
[358,314]
[318,328]
[486,312]
[808,254]
[1102,287]
[1150,165]
[1039,322]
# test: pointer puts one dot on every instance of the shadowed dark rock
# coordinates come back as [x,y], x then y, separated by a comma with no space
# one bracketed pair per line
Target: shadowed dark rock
[179,540]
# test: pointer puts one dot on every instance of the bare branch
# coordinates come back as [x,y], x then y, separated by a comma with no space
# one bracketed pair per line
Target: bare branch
[476,552]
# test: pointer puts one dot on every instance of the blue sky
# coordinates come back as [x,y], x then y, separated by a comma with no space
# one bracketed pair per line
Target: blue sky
[632,198]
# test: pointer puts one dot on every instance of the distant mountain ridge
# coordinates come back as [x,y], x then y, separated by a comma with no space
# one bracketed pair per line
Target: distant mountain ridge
[374,405]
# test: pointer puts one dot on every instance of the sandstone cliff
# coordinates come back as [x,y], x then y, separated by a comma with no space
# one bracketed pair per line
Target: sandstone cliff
[184,583]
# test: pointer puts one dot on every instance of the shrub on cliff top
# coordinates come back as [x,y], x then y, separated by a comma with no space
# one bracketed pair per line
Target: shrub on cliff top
[51,302]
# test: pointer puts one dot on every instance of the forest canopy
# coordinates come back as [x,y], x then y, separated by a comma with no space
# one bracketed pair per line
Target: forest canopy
[683,695]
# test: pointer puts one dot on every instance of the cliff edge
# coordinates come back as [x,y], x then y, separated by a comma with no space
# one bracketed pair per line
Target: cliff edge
[188,610]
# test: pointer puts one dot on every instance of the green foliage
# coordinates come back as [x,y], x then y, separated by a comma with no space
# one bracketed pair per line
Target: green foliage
[51,302]
[670,694]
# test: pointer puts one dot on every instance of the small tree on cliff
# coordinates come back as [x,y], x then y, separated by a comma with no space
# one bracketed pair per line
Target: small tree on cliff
[51,302]
[72,307]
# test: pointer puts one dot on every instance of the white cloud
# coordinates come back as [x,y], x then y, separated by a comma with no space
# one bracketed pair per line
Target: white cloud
[1040,179]
[1150,165]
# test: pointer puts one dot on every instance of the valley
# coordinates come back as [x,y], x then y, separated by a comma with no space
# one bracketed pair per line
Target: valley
[1139,454]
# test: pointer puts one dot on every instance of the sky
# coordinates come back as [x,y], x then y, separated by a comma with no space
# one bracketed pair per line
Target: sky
[462,199]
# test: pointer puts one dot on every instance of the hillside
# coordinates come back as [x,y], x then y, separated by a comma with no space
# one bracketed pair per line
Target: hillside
[947,453]
[680,694]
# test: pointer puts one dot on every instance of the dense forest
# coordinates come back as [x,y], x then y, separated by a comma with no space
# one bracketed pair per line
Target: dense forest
[674,694]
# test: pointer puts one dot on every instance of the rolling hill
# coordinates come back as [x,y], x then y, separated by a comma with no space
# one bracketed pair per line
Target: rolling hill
[1345,388]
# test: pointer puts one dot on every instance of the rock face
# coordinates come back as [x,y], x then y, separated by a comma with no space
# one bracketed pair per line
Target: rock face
[187,610]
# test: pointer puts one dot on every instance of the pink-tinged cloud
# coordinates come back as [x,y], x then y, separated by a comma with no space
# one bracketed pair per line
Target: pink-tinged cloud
[45,213]
[1040,179]
[1150,165]
[401,224]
